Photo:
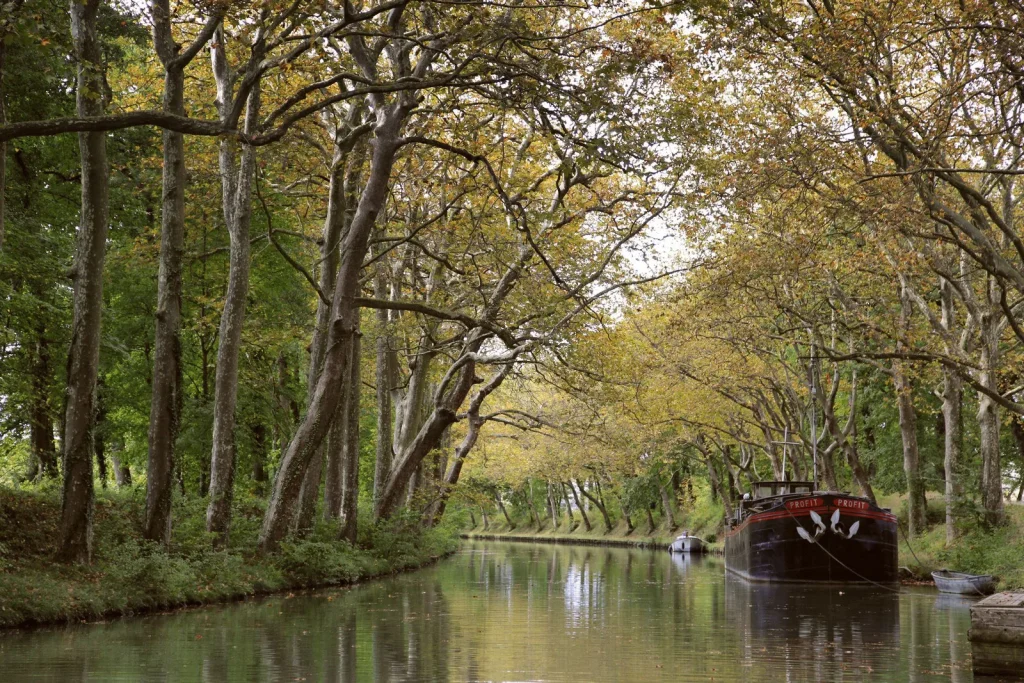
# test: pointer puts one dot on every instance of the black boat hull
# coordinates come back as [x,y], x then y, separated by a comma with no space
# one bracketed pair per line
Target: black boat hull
[856,546]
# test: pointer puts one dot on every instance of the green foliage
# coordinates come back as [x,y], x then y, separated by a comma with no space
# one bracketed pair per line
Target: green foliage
[132,575]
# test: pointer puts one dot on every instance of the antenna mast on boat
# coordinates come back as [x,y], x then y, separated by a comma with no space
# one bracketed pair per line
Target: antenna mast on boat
[814,427]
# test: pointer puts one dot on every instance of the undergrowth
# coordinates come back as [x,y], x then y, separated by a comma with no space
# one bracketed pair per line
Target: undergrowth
[131,575]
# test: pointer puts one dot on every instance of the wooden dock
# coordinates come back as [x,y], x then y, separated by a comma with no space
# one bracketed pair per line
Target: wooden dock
[997,635]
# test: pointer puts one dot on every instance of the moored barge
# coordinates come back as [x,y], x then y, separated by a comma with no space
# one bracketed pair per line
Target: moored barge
[787,531]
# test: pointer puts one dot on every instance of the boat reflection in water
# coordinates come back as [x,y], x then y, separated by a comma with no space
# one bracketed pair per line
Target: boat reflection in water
[812,630]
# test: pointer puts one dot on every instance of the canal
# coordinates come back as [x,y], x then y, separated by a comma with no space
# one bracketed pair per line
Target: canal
[526,612]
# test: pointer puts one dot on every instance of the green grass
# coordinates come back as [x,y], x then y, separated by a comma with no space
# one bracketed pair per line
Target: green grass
[130,575]
[977,550]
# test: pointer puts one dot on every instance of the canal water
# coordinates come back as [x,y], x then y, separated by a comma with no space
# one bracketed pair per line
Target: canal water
[526,612]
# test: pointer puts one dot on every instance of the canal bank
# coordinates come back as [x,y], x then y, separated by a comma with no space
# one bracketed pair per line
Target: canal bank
[131,577]
[568,539]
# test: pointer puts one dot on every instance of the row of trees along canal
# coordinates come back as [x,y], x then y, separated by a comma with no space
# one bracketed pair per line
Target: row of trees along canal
[291,234]
[454,206]
[860,294]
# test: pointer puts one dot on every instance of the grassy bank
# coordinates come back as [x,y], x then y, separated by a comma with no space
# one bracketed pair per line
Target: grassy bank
[978,550]
[131,576]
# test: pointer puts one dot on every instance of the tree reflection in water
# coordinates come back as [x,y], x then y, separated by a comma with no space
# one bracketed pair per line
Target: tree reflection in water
[526,612]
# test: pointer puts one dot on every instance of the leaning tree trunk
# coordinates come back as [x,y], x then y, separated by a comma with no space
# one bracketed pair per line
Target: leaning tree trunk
[504,512]
[90,250]
[334,225]
[911,456]
[952,420]
[344,318]
[350,459]
[237,200]
[579,506]
[599,505]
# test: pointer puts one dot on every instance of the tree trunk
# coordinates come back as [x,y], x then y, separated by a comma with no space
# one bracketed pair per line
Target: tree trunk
[90,250]
[579,506]
[259,457]
[345,170]
[165,407]
[650,519]
[599,505]
[666,505]
[41,430]
[350,459]
[122,474]
[313,428]
[472,518]
[988,423]
[533,506]
[911,458]
[3,122]
[99,437]
[504,512]
[384,452]
[952,421]
[568,507]
[552,507]
[237,209]
[335,457]
[483,515]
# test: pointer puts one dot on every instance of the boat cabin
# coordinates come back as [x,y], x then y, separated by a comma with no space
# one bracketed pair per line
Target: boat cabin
[767,489]
[761,490]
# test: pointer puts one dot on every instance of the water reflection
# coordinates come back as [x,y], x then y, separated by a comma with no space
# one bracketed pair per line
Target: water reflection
[526,612]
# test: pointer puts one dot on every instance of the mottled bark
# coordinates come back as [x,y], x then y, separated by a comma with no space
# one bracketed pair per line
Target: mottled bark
[90,250]
[344,316]
[237,209]
[334,456]
[988,424]
[952,424]
[911,455]
[344,177]
[165,407]
[384,454]
[350,456]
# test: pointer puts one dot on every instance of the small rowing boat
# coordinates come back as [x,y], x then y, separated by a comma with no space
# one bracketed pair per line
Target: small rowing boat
[960,583]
